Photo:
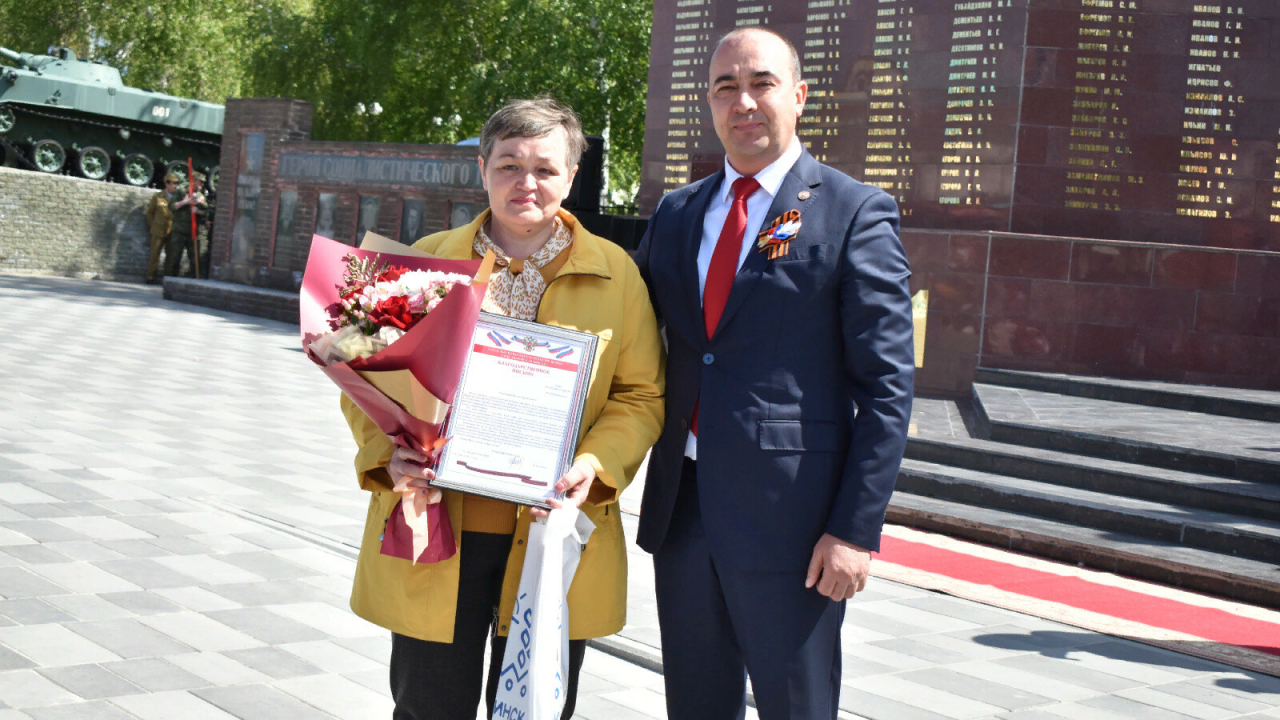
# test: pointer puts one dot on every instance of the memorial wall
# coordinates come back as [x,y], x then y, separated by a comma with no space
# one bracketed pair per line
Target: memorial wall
[1141,120]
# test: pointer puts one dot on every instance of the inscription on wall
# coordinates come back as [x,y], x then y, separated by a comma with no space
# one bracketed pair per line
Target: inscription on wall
[379,170]
[1146,120]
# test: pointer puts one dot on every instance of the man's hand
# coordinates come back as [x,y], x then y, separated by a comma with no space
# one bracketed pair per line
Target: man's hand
[411,469]
[838,568]
[575,485]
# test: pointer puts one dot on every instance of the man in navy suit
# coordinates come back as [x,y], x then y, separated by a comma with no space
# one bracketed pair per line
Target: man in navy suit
[782,286]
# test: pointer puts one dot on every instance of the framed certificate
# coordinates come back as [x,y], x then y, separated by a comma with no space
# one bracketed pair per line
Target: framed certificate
[514,424]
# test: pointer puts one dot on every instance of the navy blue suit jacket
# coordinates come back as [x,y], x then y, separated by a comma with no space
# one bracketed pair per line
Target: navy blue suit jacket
[806,384]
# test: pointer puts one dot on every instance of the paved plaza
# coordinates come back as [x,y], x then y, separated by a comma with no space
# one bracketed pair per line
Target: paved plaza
[179,519]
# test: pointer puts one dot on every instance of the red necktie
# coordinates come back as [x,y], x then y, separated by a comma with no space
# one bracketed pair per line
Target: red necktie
[724,261]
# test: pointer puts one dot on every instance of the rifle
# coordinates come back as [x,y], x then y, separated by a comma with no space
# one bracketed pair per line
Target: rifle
[195,240]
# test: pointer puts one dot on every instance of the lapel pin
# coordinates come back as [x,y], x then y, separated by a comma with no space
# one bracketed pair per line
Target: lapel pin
[803,195]
[777,239]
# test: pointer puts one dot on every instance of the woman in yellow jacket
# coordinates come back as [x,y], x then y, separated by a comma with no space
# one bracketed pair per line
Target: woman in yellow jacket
[555,272]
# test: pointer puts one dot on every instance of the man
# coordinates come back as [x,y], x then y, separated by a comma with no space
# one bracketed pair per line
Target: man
[180,240]
[159,221]
[782,285]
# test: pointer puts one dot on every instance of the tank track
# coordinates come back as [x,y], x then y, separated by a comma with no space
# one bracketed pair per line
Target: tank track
[20,109]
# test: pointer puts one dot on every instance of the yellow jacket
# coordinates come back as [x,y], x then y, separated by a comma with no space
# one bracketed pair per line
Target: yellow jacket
[598,290]
[159,216]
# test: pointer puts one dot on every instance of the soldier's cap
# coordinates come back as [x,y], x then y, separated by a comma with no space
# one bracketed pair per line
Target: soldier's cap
[199,176]
[172,177]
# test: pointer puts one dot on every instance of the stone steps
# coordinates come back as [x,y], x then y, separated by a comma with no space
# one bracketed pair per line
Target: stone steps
[1261,405]
[1225,533]
[1187,498]
[1206,492]
[1172,439]
[1228,576]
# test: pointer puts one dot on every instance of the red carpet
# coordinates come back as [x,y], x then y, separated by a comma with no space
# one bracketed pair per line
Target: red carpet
[1211,624]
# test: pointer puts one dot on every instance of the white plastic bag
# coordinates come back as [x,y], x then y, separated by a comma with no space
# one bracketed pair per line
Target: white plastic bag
[535,665]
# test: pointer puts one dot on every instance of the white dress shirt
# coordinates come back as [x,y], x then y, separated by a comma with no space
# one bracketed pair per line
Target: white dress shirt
[758,204]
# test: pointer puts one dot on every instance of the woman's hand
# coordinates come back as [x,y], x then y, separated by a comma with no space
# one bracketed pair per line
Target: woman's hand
[575,485]
[410,469]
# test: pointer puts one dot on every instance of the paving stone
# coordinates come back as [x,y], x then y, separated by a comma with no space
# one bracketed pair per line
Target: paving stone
[1068,672]
[170,705]
[18,582]
[87,607]
[261,702]
[82,577]
[1130,708]
[179,545]
[10,660]
[267,626]
[330,620]
[209,570]
[197,599]
[128,638]
[990,693]
[145,573]
[1173,703]
[44,530]
[159,525]
[32,612]
[141,602]
[83,550]
[135,548]
[330,657]
[913,647]
[218,669]
[338,696]
[267,565]
[24,689]
[876,707]
[91,682]
[54,645]
[96,710]
[200,632]
[1209,696]
[35,554]
[155,675]
[274,662]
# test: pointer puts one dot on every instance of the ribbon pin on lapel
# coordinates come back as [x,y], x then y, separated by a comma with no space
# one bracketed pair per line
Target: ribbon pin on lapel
[776,240]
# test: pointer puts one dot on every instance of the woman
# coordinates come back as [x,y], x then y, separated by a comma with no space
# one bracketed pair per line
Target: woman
[555,272]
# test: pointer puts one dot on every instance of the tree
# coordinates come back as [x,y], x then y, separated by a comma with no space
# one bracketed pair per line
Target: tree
[435,68]
[439,69]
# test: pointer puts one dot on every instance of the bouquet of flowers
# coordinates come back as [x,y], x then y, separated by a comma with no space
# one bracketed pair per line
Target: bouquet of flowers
[378,304]
[392,326]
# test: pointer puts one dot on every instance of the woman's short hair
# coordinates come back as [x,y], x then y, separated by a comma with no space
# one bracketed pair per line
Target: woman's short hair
[534,119]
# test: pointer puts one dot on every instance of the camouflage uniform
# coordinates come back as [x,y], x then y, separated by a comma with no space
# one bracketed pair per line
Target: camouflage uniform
[159,220]
[180,241]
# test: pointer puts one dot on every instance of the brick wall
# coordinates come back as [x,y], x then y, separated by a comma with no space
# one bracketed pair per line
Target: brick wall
[1095,307]
[59,225]
[270,259]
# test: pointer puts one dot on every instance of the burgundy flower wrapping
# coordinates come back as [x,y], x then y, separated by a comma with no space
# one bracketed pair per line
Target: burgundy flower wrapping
[405,389]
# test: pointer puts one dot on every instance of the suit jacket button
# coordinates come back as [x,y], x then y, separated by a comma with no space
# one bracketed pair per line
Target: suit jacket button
[684,424]
[708,359]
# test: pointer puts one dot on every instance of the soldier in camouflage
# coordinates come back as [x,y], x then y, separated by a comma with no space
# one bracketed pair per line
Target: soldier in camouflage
[180,241]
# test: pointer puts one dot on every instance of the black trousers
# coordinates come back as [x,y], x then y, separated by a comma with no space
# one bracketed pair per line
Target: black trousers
[720,623]
[442,681]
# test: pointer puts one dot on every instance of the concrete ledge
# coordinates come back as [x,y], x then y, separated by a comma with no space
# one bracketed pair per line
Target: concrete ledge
[233,297]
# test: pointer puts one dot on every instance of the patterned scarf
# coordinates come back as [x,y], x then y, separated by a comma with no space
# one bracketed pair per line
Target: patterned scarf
[517,288]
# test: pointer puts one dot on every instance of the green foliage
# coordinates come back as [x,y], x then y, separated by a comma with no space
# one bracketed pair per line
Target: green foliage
[435,68]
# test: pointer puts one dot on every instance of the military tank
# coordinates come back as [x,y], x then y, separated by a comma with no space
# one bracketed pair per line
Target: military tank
[62,114]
